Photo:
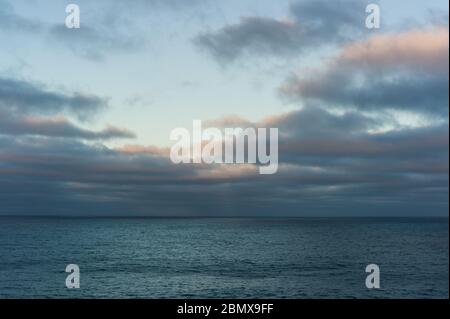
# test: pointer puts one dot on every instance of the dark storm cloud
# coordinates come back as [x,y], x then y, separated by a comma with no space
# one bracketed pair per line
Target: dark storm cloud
[312,24]
[407,71]
[397,172]
[19,96]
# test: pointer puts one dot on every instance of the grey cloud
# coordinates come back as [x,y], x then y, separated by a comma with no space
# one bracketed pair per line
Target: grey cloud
[312,24]
[396,172]
[322,136]
[55,127]
[412,92]
[261,35]
[330,21]
[19,96]
[28,108]
[419,144]
[314,121]
[311,120]
[407,71]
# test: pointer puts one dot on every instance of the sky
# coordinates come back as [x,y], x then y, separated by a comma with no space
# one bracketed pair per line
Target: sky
[86,114]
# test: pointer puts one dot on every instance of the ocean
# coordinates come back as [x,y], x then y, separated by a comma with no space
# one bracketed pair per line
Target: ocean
[224,257]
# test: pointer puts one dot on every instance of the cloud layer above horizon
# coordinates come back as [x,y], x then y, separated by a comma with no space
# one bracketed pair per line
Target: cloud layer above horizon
[362,114]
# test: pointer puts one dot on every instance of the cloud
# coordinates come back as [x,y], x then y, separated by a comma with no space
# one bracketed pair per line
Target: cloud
[316,121]
[103,31]
[106,32]
[311,24]
[94,43]
[402,171]
[11,21]
[426,50]
[414,144]
[57,126]
[28,108]
[94,40]
[136,149]
[406,71]
[255,34]
[335,158]
[21,96]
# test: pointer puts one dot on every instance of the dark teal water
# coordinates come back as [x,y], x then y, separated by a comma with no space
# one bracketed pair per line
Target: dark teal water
[223,258]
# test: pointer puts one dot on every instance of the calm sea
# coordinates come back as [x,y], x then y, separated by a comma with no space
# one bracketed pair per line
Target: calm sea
[223,257]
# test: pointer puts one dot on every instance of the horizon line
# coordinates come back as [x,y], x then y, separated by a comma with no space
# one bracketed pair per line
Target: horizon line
[219,217]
